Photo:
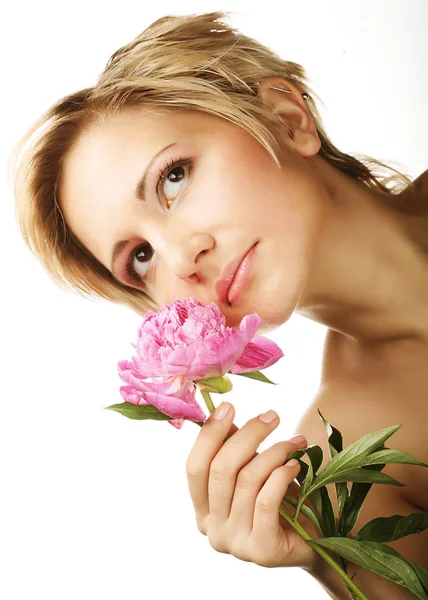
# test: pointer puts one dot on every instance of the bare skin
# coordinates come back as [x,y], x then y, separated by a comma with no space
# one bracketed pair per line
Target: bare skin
[385,383]
[344,255]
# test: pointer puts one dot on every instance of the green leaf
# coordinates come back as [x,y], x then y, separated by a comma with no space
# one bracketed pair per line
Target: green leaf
[303,468]
[255,375]
[320,500]
[353,456]
[361,475]
[388,529]
[422,573]
[335,443]
[353,505]
[135,411]
[377,558]
[390,456]
[335,437]
[323,508]
[315,455]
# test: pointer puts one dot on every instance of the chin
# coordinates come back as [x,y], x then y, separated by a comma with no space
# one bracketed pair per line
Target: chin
[268,327]
[270,320]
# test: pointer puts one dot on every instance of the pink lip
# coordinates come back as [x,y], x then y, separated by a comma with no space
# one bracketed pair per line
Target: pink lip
[236,272]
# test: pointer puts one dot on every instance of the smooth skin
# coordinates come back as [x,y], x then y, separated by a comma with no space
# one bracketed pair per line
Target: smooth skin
[237,493]
[352,258]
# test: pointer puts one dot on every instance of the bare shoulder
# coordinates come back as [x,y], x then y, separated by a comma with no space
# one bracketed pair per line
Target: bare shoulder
[360,394]
[365,390]
[413,199]
[356,410]
[420,184]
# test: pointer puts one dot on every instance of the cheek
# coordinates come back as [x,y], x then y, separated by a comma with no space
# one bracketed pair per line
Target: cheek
[302,202]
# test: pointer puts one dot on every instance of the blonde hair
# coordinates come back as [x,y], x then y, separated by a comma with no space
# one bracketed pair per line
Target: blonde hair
[193,62]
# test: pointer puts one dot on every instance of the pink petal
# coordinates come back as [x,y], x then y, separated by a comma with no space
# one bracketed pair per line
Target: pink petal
[177,423]
[178,408]
[174,397]
[259,354]
[186,341]
[172,385]
[129,394]
[249,325]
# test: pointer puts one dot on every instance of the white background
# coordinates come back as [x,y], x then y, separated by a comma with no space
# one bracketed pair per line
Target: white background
[94,505]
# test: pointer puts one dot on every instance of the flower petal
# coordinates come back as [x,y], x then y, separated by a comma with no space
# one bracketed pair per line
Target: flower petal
[259,354]
[129,394]
[188,341]
[179,408]
[177,423]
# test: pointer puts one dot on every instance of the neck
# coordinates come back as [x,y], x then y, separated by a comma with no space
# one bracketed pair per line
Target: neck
[368,280]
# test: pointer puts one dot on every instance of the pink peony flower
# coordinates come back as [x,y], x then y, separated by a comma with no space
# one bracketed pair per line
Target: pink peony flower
[182,343]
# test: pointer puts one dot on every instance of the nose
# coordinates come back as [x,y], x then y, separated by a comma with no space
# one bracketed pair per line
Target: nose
[184,256]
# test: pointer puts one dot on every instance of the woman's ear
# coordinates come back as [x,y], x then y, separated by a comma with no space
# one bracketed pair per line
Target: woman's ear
[274,92]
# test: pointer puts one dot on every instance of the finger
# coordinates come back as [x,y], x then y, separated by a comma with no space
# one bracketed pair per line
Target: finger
[252,478]
[266,523]
[236,452]
[207,444]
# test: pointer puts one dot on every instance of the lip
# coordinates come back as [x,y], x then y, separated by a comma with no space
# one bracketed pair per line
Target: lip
[239,267]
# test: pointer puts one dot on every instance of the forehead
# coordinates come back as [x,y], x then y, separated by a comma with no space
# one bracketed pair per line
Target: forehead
[141,132]
[103,167]
[128,141]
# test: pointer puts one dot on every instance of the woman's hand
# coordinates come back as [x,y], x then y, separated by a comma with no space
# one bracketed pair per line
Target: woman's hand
[237,493]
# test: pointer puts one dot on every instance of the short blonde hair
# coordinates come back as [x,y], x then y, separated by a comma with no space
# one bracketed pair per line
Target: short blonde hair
[193,62]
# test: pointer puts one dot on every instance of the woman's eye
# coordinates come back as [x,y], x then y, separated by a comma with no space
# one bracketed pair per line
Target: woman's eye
[171,177]
[169,180]
[142,255]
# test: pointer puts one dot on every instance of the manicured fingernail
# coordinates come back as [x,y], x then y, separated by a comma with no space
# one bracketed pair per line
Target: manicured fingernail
[268,416]
[221,411]
[297,439]
[292,463]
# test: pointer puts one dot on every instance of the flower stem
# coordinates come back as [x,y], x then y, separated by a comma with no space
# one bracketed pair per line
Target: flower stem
[329,560]
[298,509]
[308,512]
[292,521]
[210,405]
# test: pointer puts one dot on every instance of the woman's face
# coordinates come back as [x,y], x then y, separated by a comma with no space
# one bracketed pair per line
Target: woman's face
[224,195]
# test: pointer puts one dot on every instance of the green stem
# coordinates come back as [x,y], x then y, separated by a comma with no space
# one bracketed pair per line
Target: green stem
[206,396]
[299,506]
[308,512]
[292,521]
[329,560]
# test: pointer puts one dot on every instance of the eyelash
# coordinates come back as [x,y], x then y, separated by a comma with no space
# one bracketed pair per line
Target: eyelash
[163,174]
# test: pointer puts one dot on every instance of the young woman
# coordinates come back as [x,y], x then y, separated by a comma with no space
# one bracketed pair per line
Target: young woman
[196,146]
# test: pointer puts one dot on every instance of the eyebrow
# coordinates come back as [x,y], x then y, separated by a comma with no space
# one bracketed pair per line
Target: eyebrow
[140,194]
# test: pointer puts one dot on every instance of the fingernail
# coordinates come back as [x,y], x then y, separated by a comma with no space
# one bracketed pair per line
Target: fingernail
[221,411]
[297,439]
[292,463]
[268,416]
